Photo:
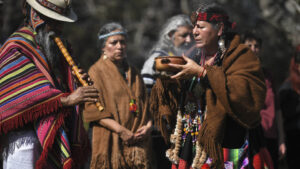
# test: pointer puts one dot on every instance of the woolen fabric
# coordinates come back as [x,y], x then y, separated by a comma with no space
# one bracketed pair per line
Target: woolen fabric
[30,95]
[236,90]
[108,150]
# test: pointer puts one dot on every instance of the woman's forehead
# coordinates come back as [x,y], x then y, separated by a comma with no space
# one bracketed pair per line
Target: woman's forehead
[116,37]
[202,23]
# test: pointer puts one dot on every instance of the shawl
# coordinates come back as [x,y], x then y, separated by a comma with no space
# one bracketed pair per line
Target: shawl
[236,92]
[29,96]
[115,93]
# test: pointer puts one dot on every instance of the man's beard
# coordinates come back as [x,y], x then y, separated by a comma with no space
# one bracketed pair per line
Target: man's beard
[49,47]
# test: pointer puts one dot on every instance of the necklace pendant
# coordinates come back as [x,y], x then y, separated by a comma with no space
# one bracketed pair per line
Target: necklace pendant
[133,107]
[190,107]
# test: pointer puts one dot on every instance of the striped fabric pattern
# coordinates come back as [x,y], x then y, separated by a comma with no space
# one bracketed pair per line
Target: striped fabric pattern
[28,94]
[236,158]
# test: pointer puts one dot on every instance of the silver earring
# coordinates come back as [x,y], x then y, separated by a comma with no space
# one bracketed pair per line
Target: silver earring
[221,43]
[104,56]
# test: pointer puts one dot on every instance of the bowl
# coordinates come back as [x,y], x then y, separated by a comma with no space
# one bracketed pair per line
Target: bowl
[161,63]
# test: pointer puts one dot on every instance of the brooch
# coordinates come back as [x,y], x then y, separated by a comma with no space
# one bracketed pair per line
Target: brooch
[133,107]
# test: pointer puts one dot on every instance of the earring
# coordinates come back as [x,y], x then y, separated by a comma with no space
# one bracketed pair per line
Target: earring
[104,56]
[221,43]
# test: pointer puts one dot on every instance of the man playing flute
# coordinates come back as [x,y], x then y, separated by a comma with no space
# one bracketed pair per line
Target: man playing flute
[40,126]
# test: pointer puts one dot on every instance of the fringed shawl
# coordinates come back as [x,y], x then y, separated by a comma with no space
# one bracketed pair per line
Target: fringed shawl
[115,94]
[237,90]
[28,96]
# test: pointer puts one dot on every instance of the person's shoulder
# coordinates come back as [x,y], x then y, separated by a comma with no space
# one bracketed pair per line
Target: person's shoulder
[96,66]
[237,50]
[154,54]
[148,64]
[22,36]
[236,46]
[19,40]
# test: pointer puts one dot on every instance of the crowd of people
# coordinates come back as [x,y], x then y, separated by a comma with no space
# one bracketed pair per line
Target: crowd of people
[217,110]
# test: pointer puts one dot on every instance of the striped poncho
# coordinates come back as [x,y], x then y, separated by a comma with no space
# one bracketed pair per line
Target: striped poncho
[28,95]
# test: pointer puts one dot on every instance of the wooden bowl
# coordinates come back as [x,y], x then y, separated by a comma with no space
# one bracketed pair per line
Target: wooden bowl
[161,63]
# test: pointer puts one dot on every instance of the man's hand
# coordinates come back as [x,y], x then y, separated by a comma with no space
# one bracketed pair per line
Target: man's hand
[83,76]
[81,95]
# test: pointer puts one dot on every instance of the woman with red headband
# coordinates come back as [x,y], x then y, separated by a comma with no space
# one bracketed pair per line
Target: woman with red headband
[212,100]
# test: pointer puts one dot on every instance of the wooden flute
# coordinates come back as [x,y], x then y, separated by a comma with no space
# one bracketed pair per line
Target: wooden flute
[73,66]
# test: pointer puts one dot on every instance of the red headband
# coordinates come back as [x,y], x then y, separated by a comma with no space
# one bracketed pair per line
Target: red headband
[210,17]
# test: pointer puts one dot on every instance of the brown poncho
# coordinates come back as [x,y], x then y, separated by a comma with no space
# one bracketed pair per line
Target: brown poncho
[237,90]
[108,151]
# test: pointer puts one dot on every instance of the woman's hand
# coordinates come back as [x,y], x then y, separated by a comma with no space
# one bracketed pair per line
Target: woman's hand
[187,70]
[127,136]
[143,132]
[282,151]
[81,95]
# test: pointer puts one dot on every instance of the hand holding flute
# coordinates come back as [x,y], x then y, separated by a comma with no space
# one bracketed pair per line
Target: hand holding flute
[86,94]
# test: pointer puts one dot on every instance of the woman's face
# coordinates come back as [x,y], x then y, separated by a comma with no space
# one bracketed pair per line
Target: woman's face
[115,47]
[205,35]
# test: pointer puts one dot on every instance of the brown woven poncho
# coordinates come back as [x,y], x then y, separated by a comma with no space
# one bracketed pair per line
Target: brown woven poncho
[108,151]
[236,90]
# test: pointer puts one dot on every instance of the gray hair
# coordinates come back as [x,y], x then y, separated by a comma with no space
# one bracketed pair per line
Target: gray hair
[172,24]
[106,29]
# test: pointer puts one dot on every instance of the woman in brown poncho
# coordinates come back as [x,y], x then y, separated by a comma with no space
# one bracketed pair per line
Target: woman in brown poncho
[120,136]
[210,102]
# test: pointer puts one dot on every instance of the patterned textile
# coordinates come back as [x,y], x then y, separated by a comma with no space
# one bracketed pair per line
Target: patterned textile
[262,159]
[236,158]
[28,94]
[233,158]
[35,19]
